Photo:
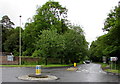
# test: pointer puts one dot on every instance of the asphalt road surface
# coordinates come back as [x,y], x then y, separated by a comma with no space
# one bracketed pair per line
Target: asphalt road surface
[85,73]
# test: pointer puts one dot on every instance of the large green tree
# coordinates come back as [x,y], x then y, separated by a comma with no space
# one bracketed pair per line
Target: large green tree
[11,44]
[6,22]
[109,44]
[70,47]
[76,47]
[6,27]
[49,45]
[50,16]
[113,25]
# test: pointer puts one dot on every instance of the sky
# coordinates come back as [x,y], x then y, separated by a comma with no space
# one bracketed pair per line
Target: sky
[89,14]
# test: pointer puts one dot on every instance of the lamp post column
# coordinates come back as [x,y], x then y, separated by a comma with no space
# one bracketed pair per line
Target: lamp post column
[20,42]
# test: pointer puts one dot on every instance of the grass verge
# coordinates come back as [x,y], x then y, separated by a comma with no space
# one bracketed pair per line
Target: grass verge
[103,65]
[114,71]
[49,65]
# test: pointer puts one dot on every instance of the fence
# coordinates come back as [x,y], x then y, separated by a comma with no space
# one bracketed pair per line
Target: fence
[28,60]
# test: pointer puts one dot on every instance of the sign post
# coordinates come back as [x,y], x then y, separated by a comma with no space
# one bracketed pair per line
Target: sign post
[113,59]
[104,59]
[38,69]
[75,64]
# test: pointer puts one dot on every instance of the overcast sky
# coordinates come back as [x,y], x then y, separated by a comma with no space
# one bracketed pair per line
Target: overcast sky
[89,14]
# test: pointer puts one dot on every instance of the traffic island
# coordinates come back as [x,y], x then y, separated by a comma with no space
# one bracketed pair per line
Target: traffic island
[37,77]
[72,69]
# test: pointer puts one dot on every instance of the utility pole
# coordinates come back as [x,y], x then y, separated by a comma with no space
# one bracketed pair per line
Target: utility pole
[20,42]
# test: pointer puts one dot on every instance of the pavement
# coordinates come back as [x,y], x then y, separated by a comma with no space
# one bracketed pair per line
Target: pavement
[85,73]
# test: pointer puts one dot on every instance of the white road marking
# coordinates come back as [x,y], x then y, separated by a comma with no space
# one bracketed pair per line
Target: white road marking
[78,71]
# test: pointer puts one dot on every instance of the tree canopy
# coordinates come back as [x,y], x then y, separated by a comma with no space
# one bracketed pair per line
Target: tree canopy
[6,22]
[48,35]
[50,16]
[109,44]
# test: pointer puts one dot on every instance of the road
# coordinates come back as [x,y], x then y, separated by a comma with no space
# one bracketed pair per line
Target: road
[85,73]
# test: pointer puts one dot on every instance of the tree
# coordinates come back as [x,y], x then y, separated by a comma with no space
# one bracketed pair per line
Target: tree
[70,47]
[109,44]
[11,44]
[6,22]
[50,16]
[113,25]
[97,48]
[6,26]
[29,38]
[49,45]
[75,45]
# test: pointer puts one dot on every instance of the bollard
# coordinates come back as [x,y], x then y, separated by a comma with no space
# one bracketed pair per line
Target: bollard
[38,69]
[75,65]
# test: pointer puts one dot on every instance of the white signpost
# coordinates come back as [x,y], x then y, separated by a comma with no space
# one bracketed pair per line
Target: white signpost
[10,57]
[104,59]
[113,59]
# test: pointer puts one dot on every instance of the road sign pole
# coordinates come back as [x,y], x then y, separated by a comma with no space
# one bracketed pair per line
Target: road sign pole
[111,65]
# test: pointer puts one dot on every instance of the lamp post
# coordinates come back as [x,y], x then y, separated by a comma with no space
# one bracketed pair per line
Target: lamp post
[20,42]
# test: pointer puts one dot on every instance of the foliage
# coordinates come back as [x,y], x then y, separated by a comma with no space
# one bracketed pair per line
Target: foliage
[70,47]
[75,45]
[11,44]
[6,27]
[49,44]
[6,22]
[50,16]
[48,35]
[109,44]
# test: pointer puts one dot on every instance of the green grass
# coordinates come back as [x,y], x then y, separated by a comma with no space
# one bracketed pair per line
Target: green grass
[18,65]
[54,65]
[49,65]
[103,64]
[111,70]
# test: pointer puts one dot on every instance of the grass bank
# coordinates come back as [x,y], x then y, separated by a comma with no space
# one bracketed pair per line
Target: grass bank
[49,65]
[106,67]
[103,65]
[114,71]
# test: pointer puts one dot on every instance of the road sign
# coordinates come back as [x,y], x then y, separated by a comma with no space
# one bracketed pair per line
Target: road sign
[113,58]
[10,57]
[104,59]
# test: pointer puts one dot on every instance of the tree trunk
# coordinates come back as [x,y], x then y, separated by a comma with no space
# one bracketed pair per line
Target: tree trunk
[61,60]
[45,61]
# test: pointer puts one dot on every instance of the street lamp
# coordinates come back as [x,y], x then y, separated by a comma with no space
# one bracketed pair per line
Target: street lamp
[20,41]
